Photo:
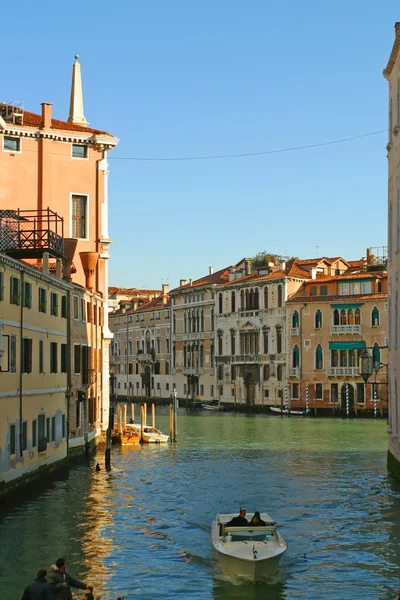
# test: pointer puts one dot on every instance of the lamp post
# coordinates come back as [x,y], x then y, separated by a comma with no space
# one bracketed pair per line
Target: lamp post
[367,366]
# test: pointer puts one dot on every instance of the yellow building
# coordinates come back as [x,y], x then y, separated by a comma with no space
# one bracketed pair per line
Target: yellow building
[34,366]
[392,74]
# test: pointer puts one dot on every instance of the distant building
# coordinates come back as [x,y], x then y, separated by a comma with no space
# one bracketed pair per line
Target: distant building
[392,74]
[116,296]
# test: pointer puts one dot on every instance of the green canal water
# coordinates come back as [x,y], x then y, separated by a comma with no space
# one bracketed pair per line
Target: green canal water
[143,530]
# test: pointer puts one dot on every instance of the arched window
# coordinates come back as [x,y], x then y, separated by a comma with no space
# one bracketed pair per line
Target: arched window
[336,319]
[318,319]
[212,355]
[350,317]
[278,339]
[265,340]
[319,357]
[219,342]
[343,358]
[295,356]
[256,300]
[212,319]
[233,342]
[266,372]
[242,300]
[233,302]
[280,295]
[357,316]
[266,297]
[202,355]
[295,319]
[375,317]
[343,317]
[220,303]
[334,358]
[279,372]
[174,355]
[220,372]
[247,300]
[174,323]
[352,358]
[251,299]
[376,357]
[202,320]
[184,356]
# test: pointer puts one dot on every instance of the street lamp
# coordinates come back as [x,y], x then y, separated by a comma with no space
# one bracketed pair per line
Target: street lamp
[366,365]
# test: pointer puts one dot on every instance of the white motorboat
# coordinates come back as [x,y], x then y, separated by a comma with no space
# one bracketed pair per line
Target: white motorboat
[252,551]
[151,435]
[284,411]
[213,407]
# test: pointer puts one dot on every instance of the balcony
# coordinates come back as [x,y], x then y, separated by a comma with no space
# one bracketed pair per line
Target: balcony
[294,372]
[193,370]
[295,331]
[31,233]
[342,371]
[144,358]
[245,358]
[340,329]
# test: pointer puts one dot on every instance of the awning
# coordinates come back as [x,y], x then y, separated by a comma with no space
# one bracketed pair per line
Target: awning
[339,306]
[346,345]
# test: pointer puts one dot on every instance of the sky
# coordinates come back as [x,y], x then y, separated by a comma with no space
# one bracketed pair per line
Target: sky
[192,78]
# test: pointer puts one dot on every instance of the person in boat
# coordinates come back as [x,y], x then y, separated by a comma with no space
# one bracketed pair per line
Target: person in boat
[39,589]
[88,596]
[256,520]
[239,521]
[61,582]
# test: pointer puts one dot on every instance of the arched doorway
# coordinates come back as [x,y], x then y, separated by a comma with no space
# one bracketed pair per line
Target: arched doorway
[344,397]
[250,384]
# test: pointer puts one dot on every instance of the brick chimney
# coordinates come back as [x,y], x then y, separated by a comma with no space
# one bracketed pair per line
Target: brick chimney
[182,282]
[165,290]
[46,114]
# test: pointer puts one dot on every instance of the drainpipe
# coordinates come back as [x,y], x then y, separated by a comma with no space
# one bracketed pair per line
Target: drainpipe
[21,358]
[69,365]
[301,347]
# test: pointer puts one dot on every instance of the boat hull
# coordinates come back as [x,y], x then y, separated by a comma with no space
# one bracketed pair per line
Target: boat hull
[249,569]
[295,413]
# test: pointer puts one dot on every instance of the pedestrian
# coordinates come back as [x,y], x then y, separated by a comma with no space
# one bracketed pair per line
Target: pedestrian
[39,589]
[61,582]
[98,467]
[239,521]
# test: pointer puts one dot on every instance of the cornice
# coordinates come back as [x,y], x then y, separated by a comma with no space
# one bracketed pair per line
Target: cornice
[21,266]
[393,55]
[101,142]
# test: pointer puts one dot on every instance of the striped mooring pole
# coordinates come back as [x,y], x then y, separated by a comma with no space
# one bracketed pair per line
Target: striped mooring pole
[347,399]
[375,401]
[306,398]
[287,398]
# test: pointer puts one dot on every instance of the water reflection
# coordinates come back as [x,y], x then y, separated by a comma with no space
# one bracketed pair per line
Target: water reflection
[143,530]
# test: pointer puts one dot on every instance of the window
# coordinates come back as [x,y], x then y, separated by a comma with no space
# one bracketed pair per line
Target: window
[220,342]
[279,372]
[319,360]
[54,304]
[211,391]
[201,390]
[34,433]
[24,441]
[79,151]
[295,357]
[64,358]
[233,372]
[64,307]
[375,317]
[53,429]
[266,372]
[85,365]
[26,355]
[42,300]
[278,339]
[75,301]
[13,353]
[220,303]
[265,339]
[12,439]
[53,357]
[77,359]
[376,357]
[295,319]
[318,319]
[82,311]
[323,290]
[313,290]
[1,285]
[266,297]
[334,393]
[79,216]
[27,299]
[15,291]
[295,391]
[12,144]
[63,426]
[319,391]
[233,302]
[233,343]
[280,295]
[41,356]
[360,393]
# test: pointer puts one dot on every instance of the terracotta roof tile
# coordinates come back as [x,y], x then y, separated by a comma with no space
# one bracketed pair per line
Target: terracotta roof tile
[216,278]
[343,299]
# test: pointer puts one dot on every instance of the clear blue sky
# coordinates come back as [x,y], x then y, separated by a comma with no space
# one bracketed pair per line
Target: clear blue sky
[188,78]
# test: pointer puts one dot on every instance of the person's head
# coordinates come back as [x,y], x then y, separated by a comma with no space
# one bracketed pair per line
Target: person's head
[242,513]
[41,574]
[61,564]
[255,519]
[257,514]
[88,596]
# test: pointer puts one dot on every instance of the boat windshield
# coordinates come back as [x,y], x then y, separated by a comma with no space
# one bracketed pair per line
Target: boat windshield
[244,534]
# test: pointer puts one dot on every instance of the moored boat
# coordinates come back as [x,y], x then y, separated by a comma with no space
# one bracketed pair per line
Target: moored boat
[284,411]
[251,551]
[126,437]
[211,406]
[151,435]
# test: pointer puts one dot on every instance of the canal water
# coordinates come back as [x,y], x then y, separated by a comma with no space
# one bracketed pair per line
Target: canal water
[143,530]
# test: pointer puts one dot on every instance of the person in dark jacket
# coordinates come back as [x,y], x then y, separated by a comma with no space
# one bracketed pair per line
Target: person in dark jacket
[239,521]
[39,589]
[61,582]
[256,520]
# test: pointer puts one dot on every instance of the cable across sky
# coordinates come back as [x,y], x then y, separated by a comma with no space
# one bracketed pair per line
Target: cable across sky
[248,154]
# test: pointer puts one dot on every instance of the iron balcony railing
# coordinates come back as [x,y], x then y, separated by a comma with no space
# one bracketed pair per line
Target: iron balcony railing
[30,233]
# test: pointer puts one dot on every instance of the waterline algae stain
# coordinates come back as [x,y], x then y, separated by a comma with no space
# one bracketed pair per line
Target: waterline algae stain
[143,530]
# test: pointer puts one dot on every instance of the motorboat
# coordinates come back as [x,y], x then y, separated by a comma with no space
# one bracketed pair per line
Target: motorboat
[211,406]
[125,437]
[284,411]
[151,435]
[251,551]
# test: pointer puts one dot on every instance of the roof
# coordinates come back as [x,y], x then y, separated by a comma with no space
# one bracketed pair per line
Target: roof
[154,304]
[350,276]
[344,299]
[52,266]
[394,53]
[291,270]
[357,263]
[216,278]
[131,291]
[35,120]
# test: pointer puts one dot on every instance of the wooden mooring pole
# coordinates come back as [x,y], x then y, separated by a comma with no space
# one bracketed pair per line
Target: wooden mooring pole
[175,408]
[171,422]
[153,415]
[141,422]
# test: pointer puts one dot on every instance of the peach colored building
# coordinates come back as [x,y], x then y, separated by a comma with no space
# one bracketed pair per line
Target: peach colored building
[62,165]
[392,75]
[330,319]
